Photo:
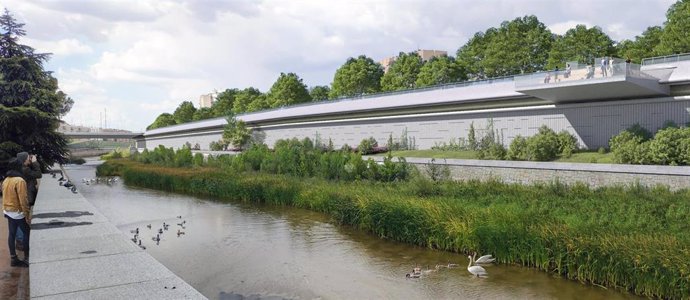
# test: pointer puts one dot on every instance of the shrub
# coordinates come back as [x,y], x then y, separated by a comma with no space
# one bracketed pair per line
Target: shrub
[637,130]
[75,160]
[198,160]
[567,143]
[437,172]
[183,157]
[517,149]
[624,145]
[665,148]
[601,150]
[217,146]
[366,146]
[543,146]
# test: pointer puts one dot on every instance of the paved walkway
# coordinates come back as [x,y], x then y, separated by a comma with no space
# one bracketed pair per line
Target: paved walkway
[76,253]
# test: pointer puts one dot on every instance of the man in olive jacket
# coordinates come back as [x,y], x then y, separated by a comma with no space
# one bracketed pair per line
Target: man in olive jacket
[15,207]
[31,171]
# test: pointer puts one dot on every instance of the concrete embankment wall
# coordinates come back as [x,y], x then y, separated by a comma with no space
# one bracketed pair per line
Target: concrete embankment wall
[594,175]
[76,253]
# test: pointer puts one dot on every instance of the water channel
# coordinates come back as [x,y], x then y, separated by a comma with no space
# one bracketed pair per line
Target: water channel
[242,251]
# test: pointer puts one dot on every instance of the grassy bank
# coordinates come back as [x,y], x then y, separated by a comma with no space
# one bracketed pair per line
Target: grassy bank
[632,238]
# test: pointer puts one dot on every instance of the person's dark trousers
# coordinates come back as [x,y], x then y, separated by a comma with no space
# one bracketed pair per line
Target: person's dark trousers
[13,224]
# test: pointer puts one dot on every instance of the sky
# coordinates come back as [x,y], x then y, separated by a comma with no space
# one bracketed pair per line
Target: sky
[132,60]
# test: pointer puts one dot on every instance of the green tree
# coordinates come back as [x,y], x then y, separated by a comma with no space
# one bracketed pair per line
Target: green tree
[518,46]
[402,74]
[580,44]
[288,90]
[203,114]
[675,37]
[236,132]
[30,102]
[184,113]
[440,70]
[319,92]
[356,77]
[224,103]
[643,46]
[244,98]
[163,120]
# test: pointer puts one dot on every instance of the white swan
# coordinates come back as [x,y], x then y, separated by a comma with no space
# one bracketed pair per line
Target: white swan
[475,270]
[485,259]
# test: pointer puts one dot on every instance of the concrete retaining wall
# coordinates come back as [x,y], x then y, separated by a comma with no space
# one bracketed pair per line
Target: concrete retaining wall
[594,175]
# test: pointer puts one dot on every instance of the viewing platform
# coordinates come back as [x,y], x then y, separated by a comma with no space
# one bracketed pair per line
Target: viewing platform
[76,253]
[617,80]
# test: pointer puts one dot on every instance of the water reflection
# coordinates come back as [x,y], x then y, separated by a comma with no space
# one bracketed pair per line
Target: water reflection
[239,251]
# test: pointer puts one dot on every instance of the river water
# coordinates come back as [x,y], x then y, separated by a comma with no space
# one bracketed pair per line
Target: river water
[247,251]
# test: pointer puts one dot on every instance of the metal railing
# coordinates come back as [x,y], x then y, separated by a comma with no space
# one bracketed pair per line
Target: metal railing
[392,93]
[665,59]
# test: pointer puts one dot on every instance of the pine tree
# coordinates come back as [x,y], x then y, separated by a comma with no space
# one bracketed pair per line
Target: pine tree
[30,102]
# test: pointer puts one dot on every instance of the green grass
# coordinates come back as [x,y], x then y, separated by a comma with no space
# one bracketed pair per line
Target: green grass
[468,154]
[588,157]
[632,238]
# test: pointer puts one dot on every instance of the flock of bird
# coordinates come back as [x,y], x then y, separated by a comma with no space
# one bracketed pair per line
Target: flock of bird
[69,185]
[89,181]
[475,267]
[66,183]
[159,233]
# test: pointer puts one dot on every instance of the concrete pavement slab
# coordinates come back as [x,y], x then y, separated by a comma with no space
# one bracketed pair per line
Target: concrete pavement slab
[165,288]
[64,249]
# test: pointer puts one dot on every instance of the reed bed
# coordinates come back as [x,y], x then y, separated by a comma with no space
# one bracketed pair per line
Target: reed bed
[629,238]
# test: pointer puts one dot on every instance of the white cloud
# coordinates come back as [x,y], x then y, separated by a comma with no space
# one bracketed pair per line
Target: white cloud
[563,27]
[62,47]
[143,57]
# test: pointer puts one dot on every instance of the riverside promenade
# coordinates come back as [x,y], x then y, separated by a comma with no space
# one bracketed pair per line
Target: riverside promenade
[76,253]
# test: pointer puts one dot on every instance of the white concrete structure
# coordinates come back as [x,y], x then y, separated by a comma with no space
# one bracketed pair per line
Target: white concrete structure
[592,109]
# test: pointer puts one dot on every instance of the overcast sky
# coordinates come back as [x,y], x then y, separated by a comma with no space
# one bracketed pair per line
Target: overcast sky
[141,58]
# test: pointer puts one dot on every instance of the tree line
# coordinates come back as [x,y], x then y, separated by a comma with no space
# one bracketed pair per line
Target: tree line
[519,46]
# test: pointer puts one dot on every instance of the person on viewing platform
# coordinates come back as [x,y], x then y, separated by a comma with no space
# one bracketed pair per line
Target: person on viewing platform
[590,72]
[566,74]
[547,79]
[15,206]
[603,67]
[610,65]
[555,77]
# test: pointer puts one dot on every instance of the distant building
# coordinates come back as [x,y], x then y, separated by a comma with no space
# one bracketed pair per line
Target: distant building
[68,128]
[206,100]
[424,54]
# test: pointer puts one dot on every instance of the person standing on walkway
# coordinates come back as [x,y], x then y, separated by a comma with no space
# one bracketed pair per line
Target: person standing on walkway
[31,172]
[15,206]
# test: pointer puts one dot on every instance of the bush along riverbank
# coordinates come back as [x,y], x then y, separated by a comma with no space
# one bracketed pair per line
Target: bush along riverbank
[629,238]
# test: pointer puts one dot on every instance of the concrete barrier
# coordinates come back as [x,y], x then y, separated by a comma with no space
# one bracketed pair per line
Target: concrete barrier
[76,253]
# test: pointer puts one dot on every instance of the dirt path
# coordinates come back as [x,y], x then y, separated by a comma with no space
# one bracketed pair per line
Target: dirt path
[14,282]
